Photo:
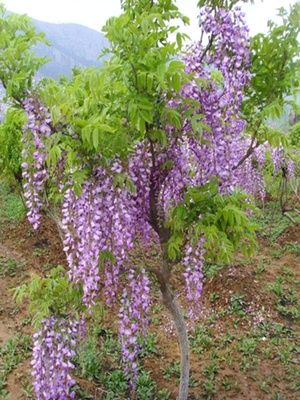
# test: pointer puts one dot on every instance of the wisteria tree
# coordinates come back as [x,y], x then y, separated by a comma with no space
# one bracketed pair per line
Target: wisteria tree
[151,147]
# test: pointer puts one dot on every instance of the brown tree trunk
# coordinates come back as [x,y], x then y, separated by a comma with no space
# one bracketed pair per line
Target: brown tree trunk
[174,308]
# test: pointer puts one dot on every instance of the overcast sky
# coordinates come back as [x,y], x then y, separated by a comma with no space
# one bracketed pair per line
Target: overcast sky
[93,13]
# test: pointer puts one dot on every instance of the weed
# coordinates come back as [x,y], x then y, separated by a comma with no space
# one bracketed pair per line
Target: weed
[211,271]
[276,253]
[245,364]
[145,386]
[88,359]
[40,252]
[284,355]
[213,297]
[277,288]
[267,352]
[9,267]
[278,396]
[265,387]
[286,271]
[226,338]
[293,247]
[228,383]
[48,267]
[209,389]
[260,269]
[163,394]
[237,304]
[28,390]
[116,382]
[248,346]
[211,370]
[201,340]
[11,203]
[171,371]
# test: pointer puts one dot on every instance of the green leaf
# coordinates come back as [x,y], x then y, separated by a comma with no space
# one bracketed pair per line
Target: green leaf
[176,83]
[96,138]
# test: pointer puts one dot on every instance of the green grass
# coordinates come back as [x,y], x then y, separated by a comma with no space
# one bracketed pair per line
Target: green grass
[11,205]
[9,267]
[12,353]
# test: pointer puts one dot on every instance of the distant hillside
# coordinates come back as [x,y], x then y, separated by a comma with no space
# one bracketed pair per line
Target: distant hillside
[72,45]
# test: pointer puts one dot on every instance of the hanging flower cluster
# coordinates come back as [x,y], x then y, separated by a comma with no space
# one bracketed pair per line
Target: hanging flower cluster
[98,223]
[34,154]
[133,318]
[282,163]
[53,350]
[193,262]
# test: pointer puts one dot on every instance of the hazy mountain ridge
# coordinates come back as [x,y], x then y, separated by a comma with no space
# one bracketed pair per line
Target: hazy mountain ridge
[71,45]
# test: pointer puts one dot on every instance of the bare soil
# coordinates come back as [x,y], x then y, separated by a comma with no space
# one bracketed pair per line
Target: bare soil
[244,335]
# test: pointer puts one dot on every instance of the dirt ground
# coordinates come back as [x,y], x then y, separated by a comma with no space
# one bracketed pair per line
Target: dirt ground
[238,351]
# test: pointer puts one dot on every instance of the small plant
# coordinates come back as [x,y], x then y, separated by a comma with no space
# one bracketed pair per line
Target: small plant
[163,394]
[248,346]
[201,340]
[245,364]
[211,370]
[148,345]
[277,288]
[171,371]
[209,389]
[293,247]
[115,383]
[145,386]
[211,271]
[28,390]
[9,267]
[237,304]
[278,396]
[226,338]
[88,359]
[260,269]
[228,383]
[213,297]
[276,254]
[12,206]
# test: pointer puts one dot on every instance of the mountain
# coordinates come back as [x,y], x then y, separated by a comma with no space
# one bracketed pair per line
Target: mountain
[71,45]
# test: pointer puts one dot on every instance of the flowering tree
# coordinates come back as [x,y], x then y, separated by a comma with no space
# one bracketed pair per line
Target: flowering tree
[148,147]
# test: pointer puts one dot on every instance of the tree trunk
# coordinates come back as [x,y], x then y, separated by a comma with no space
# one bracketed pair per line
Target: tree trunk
[172,305]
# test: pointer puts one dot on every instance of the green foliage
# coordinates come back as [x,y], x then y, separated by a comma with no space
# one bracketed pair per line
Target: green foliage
[12,353]
[275,71]
[10,144]
[294,135]
[223,220]
[127,100]
[9,267]
[52,295]
[11,205]
[18,63]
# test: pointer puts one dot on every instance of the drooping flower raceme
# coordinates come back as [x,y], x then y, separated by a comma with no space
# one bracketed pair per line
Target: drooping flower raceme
[53,350]
[34,153]
[133,318]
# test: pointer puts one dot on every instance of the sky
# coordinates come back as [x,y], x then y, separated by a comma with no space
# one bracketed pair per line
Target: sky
[94,13]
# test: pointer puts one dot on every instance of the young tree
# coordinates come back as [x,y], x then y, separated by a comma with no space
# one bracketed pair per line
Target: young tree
[147,147]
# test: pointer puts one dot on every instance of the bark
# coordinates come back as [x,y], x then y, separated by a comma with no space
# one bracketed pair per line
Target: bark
[173,307]
[163,276]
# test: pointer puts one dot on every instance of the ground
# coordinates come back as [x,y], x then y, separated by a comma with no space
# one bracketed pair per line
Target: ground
[246,344]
